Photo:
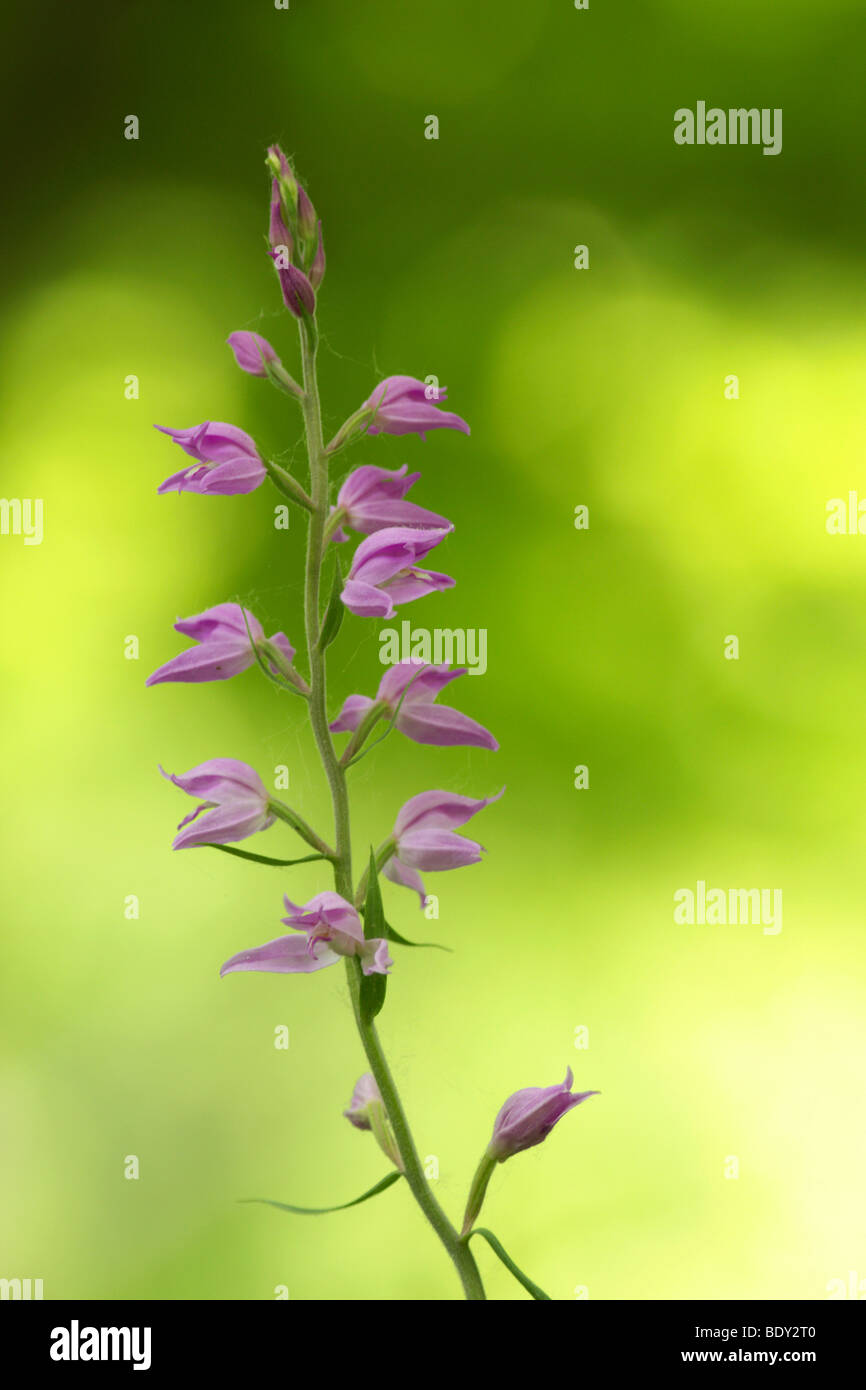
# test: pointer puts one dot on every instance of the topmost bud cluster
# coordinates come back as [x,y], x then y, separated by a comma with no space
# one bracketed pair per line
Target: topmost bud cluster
[295,236]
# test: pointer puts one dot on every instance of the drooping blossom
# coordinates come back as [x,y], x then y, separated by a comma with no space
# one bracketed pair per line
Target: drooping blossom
[406,696]
[425,837]
[226,460]
[405,405]
[224,646]
[365,1094]
[384,571]
[251,352]
[372,499]
[324,929]
[233,803]
[528,1116]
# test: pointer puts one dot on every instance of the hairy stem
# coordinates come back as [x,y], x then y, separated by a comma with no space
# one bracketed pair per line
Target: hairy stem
[459,1252]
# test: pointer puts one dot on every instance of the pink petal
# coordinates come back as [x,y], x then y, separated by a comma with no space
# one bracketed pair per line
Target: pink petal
[407,878]
[437,850]
[366,601]
[350,716]
[440,810]
[233,820]
[442,726]
[286,955]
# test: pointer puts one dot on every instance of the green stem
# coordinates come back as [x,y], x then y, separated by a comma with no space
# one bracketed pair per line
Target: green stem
[477,1193]
[300,826]
[462,1257]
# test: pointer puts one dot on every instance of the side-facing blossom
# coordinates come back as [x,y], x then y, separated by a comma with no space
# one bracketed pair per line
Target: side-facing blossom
[372,499]
[252,352]
[425,837]
[233,803]
[225,646]
[406,696]
[324,929]
[384,571]
[528,1116]
[226,460]
[526,1119]
[405,405]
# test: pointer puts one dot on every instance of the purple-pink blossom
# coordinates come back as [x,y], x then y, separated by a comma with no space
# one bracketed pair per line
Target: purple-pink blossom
[405,405]
[324,929]
[424,837]
[252,352]
[226,460]
[225,646]
[233,803]
[372,499]
[384,571]
[406,696]
[299,296]
[528,1116]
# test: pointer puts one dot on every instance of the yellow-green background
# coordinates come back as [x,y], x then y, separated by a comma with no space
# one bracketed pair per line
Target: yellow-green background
[602,387]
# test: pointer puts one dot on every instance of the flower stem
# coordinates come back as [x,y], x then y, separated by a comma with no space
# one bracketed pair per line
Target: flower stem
[460,1254]
[464,1260]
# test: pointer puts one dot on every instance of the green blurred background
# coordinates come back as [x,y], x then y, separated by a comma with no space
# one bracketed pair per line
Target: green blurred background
[604,387]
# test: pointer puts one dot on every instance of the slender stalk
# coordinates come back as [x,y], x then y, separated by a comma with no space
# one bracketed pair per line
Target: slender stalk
[462,1257]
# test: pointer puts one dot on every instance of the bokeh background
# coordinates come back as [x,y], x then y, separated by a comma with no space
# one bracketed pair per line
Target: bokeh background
[602,387]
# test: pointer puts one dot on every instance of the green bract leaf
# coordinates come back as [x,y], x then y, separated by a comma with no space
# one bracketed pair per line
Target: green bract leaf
[506,1259]
[393,935]
[334,611]
[263,858]
[373,986]
[385,1182]
[374,913]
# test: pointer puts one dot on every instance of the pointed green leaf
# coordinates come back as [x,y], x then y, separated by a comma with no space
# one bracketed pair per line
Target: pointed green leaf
[263,858]
[335,610]
[506,1259]
[374,913]
[392,934]
[373,987]
[380,1186]
[372,997]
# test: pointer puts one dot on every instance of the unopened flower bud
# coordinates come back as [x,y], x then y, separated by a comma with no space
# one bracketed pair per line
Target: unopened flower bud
[252,352]
[306,216]
[299,296]
[528,1116]
[284,175]
[367,1111]
[317,269]
[278,233]
[526,1119]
